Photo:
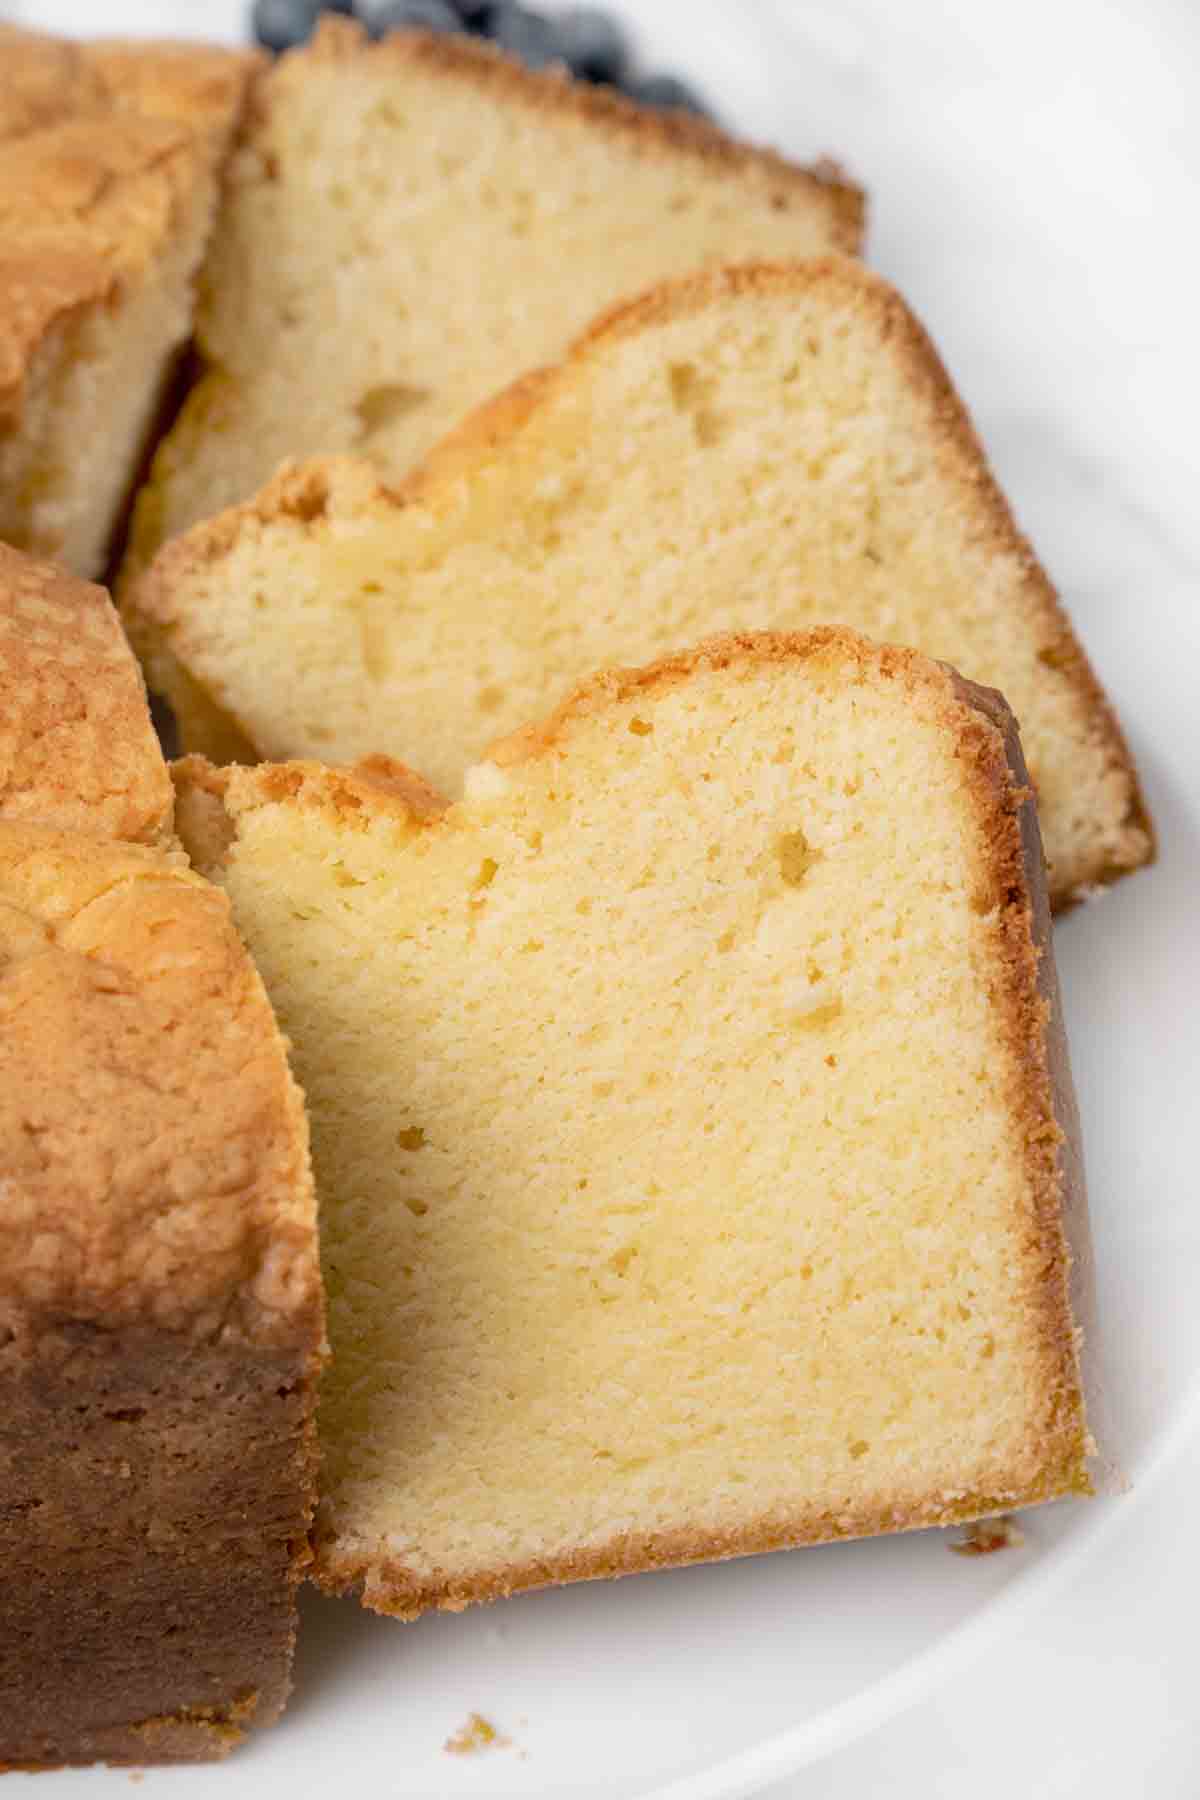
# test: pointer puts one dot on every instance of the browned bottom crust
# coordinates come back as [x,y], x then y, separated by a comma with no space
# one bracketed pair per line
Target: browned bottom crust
[202,1735]
[401,1594]
[155,1512]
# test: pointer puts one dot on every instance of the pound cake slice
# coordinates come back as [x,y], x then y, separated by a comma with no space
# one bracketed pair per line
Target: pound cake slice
[110,158]
[411,224]
[755,447]
[160,1303]
[691,1119]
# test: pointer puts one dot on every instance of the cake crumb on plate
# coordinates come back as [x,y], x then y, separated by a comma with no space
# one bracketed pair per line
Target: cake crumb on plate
[477,1734]
[986,1535]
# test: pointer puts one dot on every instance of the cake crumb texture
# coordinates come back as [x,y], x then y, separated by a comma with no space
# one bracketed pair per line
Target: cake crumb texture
[761,447]
[691,1122]
[449,219]
[110,160]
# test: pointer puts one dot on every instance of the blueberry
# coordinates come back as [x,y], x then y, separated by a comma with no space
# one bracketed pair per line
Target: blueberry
[664,91]
[524,33]
[475,14]
[393,15]
[592,44]
[282,24]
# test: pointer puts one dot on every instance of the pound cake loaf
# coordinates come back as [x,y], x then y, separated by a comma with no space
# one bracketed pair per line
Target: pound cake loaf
[160,1302]
[754,447]
[414,223]
[110,158]
[691,1120]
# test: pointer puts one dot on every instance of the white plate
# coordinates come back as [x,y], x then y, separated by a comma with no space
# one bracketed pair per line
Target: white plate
[1028,193]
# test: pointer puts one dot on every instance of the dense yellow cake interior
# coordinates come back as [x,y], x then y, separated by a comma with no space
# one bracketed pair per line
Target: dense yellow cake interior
[110,163]
[409,228]
[772,454]
[668,1135]
[91,394]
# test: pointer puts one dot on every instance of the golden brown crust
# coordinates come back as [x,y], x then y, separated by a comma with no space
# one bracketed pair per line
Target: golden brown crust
[77,749]
[300,491]
[202,86]
[397,1593]
[419,798]
[365,790]
[648,131]
[101,148]
[1038,1036]
[45,80]
[484,431]
[205,828]
[1012,899]
[126,1199]
[1042,1092]
[48,80]
[81,205]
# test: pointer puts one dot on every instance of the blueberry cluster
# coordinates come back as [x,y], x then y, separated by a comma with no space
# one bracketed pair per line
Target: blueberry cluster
[587,40]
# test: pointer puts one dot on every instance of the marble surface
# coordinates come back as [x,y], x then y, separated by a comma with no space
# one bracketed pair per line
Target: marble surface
[1034,172]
